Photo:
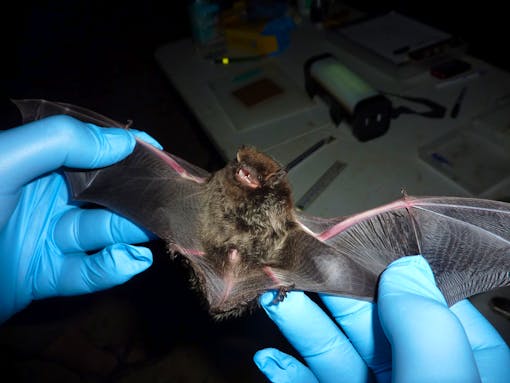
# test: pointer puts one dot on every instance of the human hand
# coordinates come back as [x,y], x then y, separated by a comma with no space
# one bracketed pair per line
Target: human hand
[44,236]
[410,335]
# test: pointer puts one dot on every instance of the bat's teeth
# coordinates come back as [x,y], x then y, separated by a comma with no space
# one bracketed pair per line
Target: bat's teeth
[246,178]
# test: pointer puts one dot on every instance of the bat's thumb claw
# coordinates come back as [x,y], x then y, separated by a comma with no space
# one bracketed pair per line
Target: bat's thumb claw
[268,298]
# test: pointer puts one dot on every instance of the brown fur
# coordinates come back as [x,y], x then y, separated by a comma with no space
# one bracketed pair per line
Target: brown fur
[253,221]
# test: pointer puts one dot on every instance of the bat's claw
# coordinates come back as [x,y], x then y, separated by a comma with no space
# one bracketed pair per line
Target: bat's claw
[282,293]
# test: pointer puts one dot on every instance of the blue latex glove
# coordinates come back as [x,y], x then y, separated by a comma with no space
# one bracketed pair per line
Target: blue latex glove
[43,235]
[425,340]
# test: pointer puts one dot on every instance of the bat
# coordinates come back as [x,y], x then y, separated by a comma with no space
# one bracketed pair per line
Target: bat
[238,230]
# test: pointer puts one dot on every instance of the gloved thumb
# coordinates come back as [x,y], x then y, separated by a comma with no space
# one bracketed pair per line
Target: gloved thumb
[423,332]
[45,145]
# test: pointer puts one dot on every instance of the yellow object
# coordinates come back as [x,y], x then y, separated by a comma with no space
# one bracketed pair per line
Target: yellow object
[247,38]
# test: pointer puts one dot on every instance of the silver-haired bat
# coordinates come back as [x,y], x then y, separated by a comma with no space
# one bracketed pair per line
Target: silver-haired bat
[241,235]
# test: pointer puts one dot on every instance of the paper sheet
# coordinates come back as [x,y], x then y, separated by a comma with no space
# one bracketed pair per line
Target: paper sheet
[393,35]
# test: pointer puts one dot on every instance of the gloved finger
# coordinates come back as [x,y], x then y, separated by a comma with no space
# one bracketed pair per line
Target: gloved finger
[91,229]
[408,303]
[80,273]
[279,367]
[492,354]
[326,350]
[360,322]
[44,145]
[480,332]
[146,138]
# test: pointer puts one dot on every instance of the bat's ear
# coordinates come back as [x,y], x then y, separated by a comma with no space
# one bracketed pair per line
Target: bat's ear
[276,177]
[238,154]
[243,152]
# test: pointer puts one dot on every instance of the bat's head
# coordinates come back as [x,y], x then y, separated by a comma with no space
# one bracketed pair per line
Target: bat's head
[255,170]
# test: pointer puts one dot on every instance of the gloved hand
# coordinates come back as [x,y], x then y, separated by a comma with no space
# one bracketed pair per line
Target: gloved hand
[425,340]
[44,236]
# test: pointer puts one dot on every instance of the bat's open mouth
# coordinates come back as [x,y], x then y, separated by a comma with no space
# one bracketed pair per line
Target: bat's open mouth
[246,177]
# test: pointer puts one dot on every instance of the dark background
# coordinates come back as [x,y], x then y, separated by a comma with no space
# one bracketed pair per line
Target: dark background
[100,55]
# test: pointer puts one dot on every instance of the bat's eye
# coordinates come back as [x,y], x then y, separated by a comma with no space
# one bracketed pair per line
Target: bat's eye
[247,177]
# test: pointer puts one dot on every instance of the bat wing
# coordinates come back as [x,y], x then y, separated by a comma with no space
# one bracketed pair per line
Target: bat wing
[35,109]
[466,242]
[155,189]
